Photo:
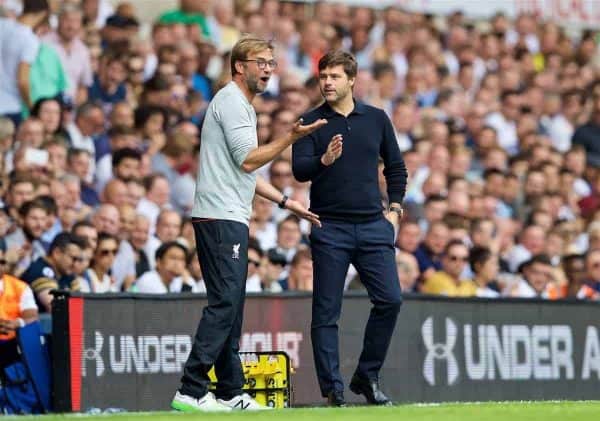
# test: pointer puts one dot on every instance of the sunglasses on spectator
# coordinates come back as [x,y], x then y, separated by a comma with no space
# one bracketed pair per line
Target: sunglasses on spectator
[106,252]
[3,262]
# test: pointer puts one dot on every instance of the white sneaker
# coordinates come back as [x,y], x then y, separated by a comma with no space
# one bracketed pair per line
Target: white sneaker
[206,403]
[243,402]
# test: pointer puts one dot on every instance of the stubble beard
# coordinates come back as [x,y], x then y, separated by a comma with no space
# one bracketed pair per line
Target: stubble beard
[252,82]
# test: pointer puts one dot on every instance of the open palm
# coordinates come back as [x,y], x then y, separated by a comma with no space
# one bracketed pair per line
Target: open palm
[300,130]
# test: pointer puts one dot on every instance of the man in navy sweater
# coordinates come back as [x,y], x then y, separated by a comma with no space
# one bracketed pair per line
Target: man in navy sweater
[340,159]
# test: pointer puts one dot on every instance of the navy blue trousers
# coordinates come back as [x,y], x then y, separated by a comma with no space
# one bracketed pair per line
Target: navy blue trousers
[370,248]
[223,253]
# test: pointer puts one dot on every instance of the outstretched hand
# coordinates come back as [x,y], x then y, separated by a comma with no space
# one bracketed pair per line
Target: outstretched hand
[297,208]
[300,130]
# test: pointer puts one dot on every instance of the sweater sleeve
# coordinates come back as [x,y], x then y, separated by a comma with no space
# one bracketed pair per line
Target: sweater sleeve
[239,129]
[394,168]
[306,161]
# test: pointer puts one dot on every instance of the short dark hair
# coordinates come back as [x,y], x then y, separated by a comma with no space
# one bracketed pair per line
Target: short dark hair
[82,223]
[62,241]
[382,68]
[492,171]
[75,152]
[508,93]
[86,108]
[124,153]
[143,114]
[434,198]
[151,179]
[155,84]
[32,204]
[290,218]
[35,6]
[339,58]
[543,259]
[120,131]
[20,178]
[478,256]
[253,244]
[165,247]
[454,243]
[49,203]
[103,236]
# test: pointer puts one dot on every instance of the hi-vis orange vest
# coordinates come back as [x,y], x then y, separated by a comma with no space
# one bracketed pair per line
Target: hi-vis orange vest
[10,301]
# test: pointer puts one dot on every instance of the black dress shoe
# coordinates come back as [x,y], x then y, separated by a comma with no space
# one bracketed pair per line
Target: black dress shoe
[370,389]
[336,398]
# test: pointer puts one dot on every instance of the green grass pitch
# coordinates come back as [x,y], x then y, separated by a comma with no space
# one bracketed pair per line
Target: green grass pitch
[500,411]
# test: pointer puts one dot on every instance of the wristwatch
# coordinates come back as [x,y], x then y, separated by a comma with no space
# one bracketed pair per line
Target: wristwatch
[396,208]
[284,200]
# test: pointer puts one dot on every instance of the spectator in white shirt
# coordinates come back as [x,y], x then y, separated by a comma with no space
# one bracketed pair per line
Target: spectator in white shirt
[97,277]
[168,227]
[107,219]
[504,121]
[404,118]
[158,192]
[170,274]
[89,121]
[262,226]
[121,138]
[531,242]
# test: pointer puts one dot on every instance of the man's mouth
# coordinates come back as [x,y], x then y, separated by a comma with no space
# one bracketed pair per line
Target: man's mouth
[265,79]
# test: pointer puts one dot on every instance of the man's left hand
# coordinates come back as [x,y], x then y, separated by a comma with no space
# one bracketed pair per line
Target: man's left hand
[302,212]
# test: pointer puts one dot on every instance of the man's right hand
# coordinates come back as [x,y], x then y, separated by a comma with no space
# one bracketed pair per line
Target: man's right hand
[334,150]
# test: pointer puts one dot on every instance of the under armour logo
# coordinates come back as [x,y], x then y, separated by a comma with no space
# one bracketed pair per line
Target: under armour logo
[94,355]
[439,351]
[236,251]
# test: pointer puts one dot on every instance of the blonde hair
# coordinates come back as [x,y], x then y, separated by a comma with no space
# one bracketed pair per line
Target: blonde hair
[245,46]
[7,128]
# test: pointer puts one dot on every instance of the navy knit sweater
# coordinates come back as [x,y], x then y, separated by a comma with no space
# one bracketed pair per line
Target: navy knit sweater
[348,189]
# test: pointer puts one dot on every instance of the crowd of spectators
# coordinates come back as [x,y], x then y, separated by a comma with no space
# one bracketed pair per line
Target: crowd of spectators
[498,121]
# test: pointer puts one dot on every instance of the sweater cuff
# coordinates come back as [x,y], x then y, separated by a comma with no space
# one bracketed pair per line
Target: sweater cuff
[395,197]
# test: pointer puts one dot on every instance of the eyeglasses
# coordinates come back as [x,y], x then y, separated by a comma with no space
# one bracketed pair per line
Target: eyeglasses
[256,263]
[262,63]
[3,262]
[458,258]
[106,252]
